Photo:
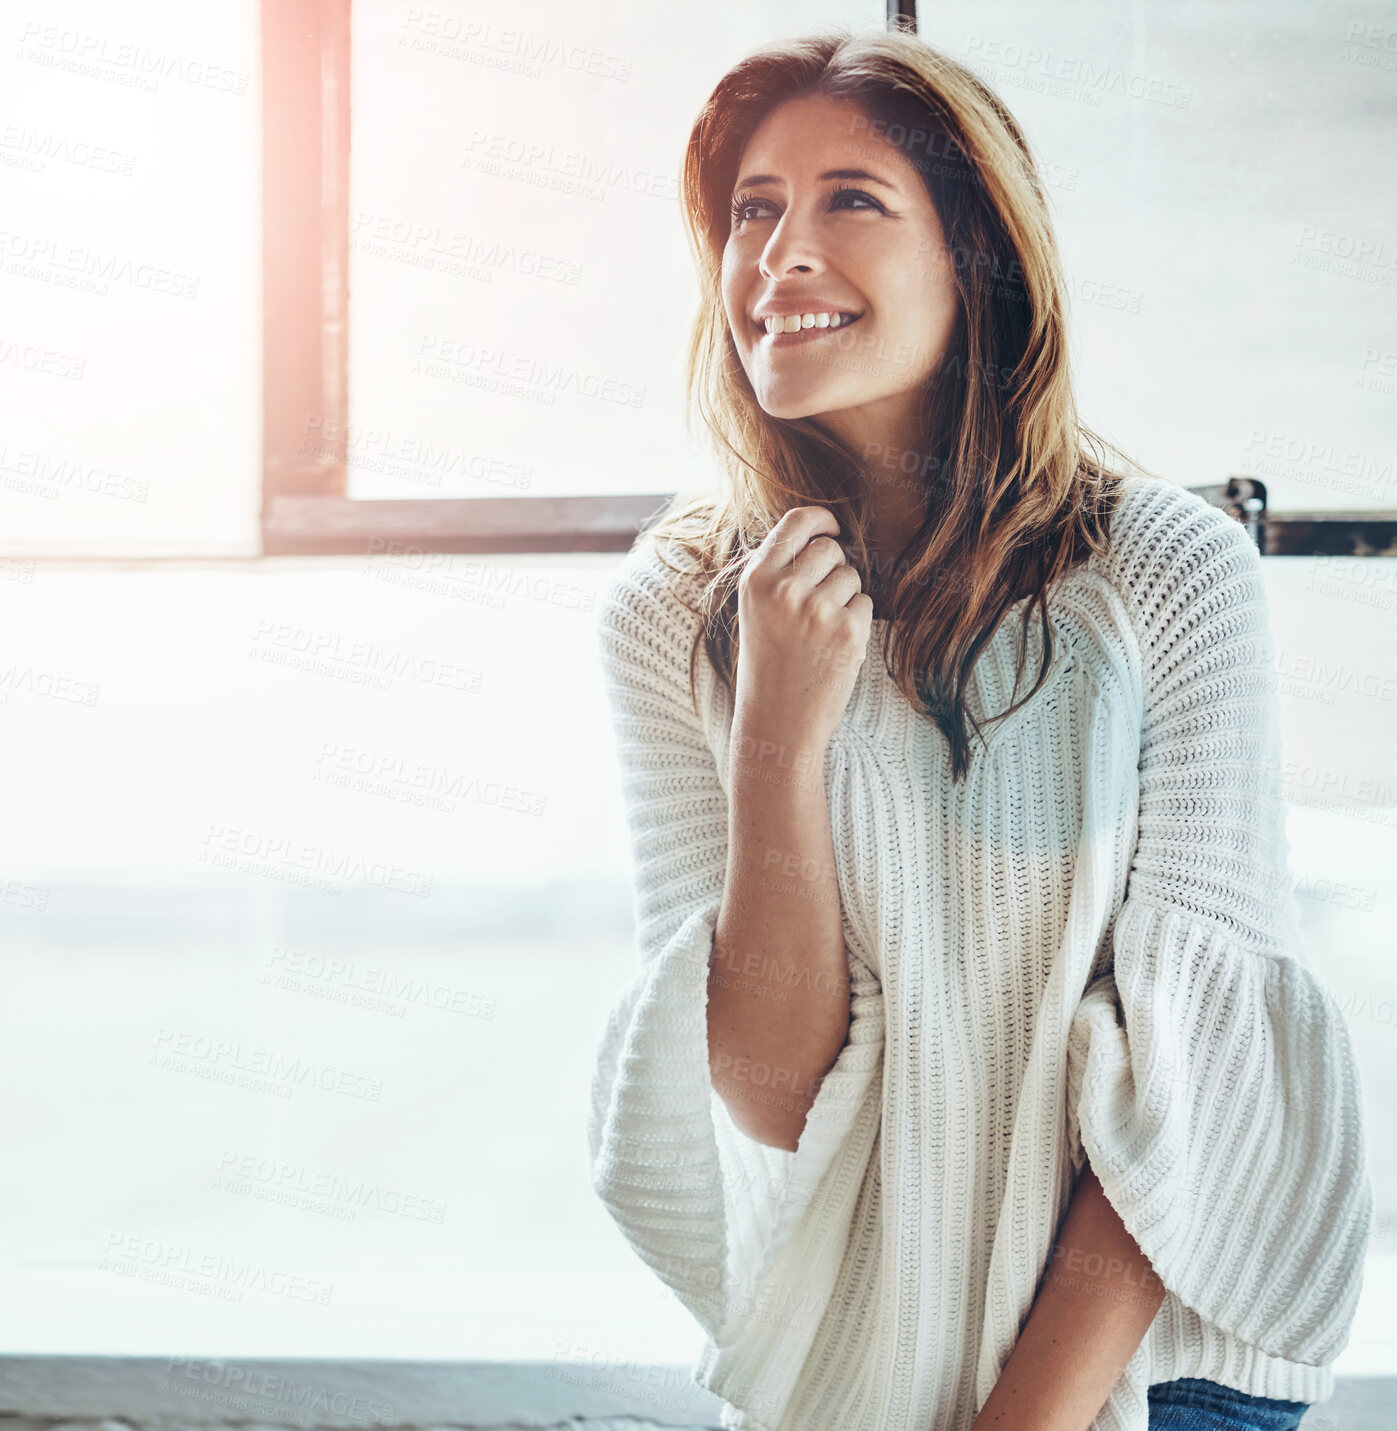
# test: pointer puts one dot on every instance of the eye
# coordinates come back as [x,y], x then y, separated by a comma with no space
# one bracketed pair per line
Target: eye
[842,189]
[740,205]
[840,197]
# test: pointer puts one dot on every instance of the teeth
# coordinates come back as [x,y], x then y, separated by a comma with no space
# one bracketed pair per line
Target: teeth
[791,322]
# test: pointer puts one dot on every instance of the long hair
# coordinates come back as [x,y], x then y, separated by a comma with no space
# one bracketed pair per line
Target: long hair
[1018,490]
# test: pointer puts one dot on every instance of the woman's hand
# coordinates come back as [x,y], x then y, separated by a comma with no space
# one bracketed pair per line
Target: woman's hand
[803,629]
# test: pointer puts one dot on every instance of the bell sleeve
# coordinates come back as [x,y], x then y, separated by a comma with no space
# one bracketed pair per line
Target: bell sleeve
[731,1225]
[1212,1082]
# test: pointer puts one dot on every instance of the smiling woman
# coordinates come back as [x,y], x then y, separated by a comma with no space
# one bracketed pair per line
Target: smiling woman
[932,412]
[960,1086]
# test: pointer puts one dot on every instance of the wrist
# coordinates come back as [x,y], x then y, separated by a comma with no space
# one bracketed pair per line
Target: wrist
[765,753]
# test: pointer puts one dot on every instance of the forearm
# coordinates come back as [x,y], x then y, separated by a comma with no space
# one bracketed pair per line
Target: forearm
[1095,1303]
[778,983]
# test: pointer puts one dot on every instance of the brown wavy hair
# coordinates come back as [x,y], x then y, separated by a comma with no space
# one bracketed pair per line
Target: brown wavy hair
[1018,490]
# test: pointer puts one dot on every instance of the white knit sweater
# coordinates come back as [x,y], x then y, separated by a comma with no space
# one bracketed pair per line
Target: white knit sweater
[1089,946]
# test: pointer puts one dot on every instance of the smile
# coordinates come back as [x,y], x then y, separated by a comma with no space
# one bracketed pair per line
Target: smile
[783,332]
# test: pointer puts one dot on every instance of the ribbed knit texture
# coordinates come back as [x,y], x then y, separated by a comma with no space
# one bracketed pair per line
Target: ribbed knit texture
[1087,950]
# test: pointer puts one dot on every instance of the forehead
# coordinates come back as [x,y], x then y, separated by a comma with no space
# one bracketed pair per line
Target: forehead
[802,136]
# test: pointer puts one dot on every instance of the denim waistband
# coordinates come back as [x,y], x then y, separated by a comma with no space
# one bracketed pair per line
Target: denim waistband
[1261,1411]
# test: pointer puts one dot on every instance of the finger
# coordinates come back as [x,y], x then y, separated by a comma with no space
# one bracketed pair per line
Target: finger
[792,533]
[820,556]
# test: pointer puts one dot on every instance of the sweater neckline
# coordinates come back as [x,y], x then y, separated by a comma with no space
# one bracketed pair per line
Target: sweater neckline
[1012,608]
[878,709]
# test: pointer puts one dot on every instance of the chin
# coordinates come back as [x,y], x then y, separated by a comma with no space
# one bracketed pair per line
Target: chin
[789,412]
[792,406]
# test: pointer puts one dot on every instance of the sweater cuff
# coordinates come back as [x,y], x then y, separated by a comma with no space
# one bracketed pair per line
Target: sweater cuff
[750,1238]
[816,1179]
[788,1243]
[1212,1091]
[654,1154]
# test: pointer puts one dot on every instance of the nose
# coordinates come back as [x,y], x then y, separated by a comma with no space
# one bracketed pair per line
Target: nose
[790,249]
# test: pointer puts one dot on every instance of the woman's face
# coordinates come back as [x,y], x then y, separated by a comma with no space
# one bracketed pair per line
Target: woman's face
[866,244]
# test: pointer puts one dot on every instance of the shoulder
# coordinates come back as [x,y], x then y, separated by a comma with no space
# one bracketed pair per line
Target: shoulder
[1183,569]
[648,626]
[654,592]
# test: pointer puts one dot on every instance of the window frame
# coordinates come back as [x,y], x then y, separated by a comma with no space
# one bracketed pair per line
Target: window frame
[305,506]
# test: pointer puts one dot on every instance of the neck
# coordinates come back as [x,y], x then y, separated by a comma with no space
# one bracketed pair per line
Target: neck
[898,505]
[897,475]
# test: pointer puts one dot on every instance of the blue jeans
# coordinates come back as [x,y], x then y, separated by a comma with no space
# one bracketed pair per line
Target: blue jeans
[1193,1404]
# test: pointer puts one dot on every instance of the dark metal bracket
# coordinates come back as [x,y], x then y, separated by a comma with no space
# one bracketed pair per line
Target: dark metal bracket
[1365,533]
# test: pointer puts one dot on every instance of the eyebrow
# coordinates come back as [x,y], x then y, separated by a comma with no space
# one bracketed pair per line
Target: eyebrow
[752,180]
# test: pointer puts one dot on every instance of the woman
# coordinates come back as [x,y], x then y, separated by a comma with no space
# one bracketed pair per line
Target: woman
[974,1075]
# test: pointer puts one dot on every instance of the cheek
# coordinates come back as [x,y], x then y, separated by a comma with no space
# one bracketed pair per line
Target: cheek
[929,286]
[728,288]
[734,301]
[938,274]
